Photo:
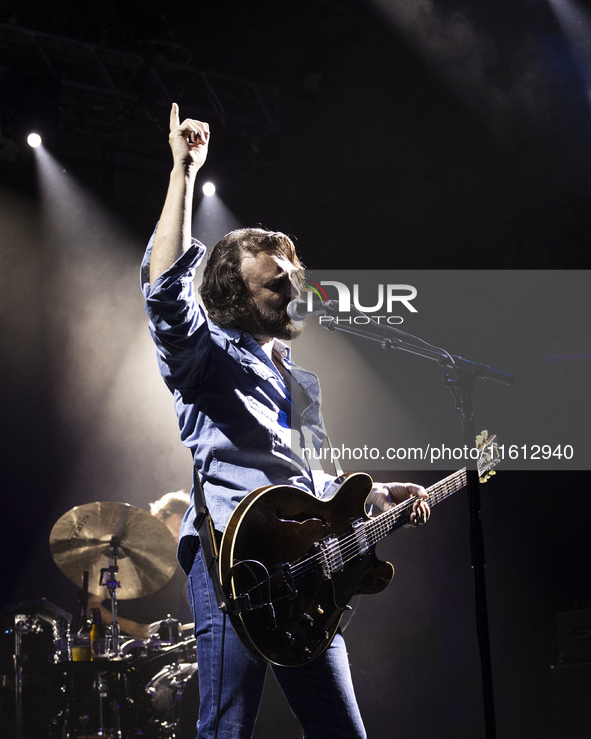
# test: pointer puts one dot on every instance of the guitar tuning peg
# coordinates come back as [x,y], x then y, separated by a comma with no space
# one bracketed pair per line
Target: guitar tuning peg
[483,479]
[492,472]
[484,435]
[479,440]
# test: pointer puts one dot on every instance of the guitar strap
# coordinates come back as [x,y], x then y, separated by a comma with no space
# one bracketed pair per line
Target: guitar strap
[207,539]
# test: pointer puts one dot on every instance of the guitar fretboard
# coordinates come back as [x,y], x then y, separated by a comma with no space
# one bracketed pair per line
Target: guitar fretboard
[379,527]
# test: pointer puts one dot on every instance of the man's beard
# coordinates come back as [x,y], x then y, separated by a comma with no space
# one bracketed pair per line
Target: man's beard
[270,323]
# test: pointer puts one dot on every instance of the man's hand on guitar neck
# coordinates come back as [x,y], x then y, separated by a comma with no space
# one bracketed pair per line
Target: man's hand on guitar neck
[386,495]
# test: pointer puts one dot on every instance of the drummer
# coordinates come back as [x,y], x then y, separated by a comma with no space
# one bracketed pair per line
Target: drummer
[136,615]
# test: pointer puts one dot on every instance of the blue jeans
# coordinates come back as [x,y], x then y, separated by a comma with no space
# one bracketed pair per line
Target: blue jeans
[320,694]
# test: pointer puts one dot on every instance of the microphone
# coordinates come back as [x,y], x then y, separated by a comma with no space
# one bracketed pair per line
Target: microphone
[298,309]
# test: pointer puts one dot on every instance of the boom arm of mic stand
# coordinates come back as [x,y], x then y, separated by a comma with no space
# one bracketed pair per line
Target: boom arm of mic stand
[398,339]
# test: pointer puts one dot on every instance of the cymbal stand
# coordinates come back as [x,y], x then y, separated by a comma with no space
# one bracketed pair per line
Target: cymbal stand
[108,580]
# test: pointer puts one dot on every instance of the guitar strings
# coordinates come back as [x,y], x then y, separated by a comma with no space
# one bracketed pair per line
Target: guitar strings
[373,531]
[378,527]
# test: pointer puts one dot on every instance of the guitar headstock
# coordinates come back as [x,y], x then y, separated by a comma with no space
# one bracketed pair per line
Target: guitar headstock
[488,457]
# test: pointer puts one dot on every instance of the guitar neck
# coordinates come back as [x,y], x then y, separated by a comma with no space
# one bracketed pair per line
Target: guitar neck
[381,526]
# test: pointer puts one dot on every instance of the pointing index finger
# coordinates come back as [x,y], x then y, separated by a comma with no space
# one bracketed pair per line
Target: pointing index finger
[175,121]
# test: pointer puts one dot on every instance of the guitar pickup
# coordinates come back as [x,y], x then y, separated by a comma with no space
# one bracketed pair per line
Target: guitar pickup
[331,560]
[360,537]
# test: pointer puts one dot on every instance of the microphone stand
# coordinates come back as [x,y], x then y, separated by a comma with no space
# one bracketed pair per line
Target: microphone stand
[461,384]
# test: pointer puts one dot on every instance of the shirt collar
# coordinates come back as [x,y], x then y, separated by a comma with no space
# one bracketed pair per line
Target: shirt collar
[235,335]
[282,350]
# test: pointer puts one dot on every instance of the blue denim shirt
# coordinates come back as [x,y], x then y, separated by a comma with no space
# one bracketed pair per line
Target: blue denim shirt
[233,406]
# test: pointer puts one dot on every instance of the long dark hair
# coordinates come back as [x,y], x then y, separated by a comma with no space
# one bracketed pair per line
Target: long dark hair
[223,290]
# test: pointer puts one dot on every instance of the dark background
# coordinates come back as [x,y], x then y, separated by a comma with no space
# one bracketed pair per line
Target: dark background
[434,135]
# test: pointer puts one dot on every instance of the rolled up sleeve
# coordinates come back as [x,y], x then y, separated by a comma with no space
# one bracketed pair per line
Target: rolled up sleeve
[177,322]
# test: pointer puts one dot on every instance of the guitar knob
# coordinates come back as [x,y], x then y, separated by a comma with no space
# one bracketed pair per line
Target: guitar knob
[306,620]
[288,639]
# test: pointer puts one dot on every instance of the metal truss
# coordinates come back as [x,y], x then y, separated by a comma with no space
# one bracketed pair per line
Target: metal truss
[122,96]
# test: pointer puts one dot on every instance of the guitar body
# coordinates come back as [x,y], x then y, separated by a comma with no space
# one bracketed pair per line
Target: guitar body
[296,592]
[290,563]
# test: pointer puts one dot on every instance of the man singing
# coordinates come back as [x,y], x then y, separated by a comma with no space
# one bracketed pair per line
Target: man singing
[241,402]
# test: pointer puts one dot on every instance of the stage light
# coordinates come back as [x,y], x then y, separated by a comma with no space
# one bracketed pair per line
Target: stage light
[208,189]
[212,219]
[34,140]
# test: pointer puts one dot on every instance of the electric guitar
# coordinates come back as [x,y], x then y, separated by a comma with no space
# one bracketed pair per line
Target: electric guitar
[290,563]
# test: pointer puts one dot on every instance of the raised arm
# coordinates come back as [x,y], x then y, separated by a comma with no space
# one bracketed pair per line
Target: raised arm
[189,142]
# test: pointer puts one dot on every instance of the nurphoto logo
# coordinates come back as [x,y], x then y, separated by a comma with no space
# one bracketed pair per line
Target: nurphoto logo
[385,298]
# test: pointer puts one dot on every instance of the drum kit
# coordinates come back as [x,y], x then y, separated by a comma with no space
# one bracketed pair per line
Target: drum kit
[129,687]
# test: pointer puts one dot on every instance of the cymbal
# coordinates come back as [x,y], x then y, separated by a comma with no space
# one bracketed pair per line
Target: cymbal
[82,540]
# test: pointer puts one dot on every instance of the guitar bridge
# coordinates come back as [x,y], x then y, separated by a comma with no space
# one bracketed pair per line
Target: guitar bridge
[288,581]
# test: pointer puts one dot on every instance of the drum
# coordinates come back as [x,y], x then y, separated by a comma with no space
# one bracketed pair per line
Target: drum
[173,702]
[149,656]
[166,643]
[169,630]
